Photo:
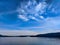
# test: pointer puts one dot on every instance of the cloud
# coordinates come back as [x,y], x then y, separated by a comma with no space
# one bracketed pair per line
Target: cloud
[23,17]
[17,32]
[41,7]
[47,31]
[33,16]
[29,10]
[52,23]
[8,12]
[41,17]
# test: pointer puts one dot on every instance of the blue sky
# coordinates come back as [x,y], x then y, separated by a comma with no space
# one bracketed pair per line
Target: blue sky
[36,15]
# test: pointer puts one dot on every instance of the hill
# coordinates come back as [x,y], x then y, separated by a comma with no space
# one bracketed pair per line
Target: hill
[54,35]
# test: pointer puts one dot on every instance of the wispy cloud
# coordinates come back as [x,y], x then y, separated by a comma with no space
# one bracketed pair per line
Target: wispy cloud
[52,23]
[23,17]
[17,32]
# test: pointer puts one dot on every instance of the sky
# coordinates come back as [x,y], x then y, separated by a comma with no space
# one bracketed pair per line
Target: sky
[37,16]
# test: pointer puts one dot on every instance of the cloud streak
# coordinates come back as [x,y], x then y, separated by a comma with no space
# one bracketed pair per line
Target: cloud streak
[17,32]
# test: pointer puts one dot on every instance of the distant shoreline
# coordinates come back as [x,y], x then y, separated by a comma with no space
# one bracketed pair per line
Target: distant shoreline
[49,35]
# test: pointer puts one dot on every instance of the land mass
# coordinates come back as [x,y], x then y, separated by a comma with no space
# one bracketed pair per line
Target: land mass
[50,35]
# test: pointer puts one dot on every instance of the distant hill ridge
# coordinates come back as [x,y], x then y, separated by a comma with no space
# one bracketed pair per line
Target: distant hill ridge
[53,35]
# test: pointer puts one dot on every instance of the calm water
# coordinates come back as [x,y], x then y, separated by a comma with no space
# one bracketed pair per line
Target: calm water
[28,41]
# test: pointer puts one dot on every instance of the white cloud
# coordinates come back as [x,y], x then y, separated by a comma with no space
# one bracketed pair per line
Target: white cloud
[41,17]
[34,18]
[38,7]
[41,7]
[23,17]
[52,23]
[17,32]
[29,3]
[31,8]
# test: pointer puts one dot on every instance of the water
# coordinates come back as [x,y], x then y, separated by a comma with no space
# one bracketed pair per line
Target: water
[28,41]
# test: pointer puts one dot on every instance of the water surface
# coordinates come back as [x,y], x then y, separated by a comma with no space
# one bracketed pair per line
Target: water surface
[28,41]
